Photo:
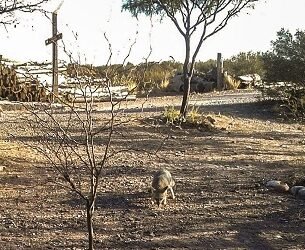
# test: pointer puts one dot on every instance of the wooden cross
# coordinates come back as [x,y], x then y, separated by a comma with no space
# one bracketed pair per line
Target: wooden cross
[53,40]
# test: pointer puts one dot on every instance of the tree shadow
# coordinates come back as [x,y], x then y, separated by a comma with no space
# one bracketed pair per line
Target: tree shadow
[111,201]
[274,230]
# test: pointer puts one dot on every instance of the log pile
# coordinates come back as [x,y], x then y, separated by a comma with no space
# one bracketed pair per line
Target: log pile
[25,90]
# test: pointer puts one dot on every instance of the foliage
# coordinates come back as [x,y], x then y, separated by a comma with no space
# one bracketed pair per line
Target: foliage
[290,97]
[149,7]
[154,75]
[286,63]
[146,76]
[295,102]
[193,119]
[230,81]
[245,63]
[193,115]
[75,70]
[171,115]
[205,66]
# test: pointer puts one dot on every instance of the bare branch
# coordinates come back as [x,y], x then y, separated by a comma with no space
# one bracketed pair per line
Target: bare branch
[9,8]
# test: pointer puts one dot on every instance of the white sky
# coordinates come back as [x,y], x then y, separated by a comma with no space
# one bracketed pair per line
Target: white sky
[90,19]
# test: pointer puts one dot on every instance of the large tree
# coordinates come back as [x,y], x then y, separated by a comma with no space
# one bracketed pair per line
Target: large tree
[204,17]
[286,60]
[9,8]
[285,64]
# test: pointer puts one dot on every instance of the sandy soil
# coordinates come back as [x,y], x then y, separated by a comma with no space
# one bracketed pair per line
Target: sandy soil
[221,203]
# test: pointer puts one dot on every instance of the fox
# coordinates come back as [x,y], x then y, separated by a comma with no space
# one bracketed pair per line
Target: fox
[162,181]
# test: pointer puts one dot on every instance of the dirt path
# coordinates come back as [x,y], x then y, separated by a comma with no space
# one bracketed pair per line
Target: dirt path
[221,203]
[213,98]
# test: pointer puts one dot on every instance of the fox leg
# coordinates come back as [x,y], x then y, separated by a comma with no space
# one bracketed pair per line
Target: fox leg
[172,192]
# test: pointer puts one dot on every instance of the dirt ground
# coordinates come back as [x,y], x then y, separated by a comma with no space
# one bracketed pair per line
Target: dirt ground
[221,199]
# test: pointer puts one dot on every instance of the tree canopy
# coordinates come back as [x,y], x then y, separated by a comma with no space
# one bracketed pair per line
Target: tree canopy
[286,60]
[192,13]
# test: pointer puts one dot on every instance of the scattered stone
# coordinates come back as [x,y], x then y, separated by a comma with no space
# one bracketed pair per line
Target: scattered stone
[278,186]
[152,234]
[2,168]
[295,190]
[301,194]
[149,233]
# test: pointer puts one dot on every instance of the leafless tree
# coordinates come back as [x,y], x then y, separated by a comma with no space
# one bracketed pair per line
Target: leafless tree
[75,139]
[76,143]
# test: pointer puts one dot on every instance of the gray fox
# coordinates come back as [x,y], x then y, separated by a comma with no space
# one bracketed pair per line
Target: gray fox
[162,181]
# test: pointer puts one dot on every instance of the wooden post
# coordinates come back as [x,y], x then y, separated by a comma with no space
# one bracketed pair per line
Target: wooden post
[55,37]
[55,57]
[219,72]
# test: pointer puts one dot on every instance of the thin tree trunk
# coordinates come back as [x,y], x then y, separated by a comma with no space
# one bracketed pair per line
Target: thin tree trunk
[90,210]
[187,76]
[186,94]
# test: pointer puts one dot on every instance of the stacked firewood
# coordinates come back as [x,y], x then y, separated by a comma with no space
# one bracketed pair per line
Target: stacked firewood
[15,89]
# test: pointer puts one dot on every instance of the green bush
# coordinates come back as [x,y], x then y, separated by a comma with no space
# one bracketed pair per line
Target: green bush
[245,63]
[285,63]
[291,99]
[146,76]
[193,119]
[171,115]
[206,66]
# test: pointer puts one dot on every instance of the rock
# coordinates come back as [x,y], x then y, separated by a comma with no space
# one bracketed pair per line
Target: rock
[278,186]
[149,233]
[152,234]
[295,190]
[2,168]
[301,194]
